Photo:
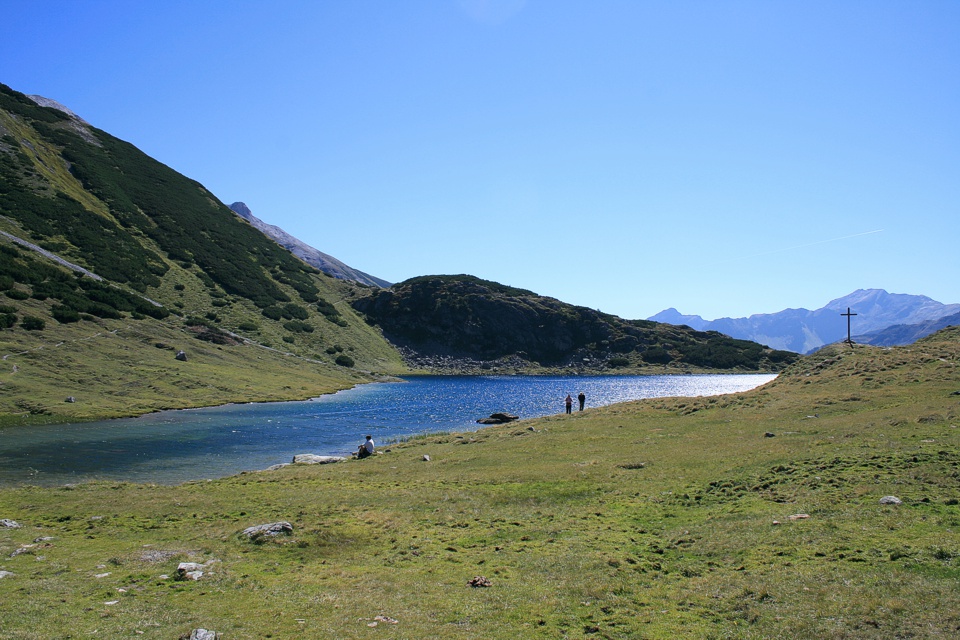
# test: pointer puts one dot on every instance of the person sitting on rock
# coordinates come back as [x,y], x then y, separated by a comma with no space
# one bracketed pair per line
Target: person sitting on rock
[366,449]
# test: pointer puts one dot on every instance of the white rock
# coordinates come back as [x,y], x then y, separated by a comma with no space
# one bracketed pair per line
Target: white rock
[311,458]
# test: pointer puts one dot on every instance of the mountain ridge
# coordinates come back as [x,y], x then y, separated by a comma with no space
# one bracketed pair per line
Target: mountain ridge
[803,331]
[312,256]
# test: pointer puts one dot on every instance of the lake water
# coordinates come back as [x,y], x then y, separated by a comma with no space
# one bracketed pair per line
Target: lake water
[176,446]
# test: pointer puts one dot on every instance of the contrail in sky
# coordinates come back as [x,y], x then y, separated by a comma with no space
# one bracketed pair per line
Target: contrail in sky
[802,246]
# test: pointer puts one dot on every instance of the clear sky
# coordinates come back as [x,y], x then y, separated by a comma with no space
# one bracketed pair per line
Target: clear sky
[723,158]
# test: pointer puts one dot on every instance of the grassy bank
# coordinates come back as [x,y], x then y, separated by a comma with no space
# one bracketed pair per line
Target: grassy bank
[121,368]
[654,519]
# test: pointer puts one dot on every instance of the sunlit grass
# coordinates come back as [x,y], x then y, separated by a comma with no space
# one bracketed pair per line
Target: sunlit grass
[655,519]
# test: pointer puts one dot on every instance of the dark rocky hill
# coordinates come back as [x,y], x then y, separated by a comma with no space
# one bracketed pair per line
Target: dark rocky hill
[466,318]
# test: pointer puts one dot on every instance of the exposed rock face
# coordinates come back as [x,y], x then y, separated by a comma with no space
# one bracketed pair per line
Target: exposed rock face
[326,263]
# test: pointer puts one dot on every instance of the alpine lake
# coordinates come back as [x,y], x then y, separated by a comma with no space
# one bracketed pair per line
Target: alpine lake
[171,447]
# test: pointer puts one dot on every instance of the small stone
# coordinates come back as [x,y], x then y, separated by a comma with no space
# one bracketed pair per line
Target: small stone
[189,571]
[386,619]
[799,516]
[769,435]
[70,399]
[203,634]
[894,500]
[181,356]
[6,574]
[426,458]
[111,602]
[102,575]
[9,524]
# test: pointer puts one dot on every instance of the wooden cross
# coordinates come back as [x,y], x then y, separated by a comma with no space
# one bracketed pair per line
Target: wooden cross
[848,314]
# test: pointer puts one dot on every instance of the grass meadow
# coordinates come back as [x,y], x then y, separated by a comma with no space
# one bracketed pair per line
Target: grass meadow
[754,515]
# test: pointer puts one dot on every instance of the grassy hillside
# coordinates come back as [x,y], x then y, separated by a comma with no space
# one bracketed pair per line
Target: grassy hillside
[131,243]
[494,326]
[656,519]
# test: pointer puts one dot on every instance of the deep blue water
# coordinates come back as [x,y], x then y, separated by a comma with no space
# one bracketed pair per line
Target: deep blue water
[176,446]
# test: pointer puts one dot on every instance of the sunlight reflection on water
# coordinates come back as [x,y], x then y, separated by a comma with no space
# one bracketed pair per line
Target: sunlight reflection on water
[177,446]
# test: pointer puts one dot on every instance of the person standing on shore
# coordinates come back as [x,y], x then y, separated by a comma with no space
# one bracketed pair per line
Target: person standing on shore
[582,398]
[569,403]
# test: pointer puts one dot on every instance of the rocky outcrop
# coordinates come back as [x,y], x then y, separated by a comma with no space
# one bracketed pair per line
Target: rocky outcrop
[311,458]
[498,418]
[272,529]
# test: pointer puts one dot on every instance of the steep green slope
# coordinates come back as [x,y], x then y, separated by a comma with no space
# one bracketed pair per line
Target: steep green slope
[466,317]
[94,230]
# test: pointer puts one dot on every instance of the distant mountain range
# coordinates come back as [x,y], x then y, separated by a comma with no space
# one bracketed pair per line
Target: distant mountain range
[314,257]
[804,331]
[900,334]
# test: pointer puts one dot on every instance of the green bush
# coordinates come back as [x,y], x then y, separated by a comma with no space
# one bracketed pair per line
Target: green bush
[273,312]
[246,325]
[33,323]
[293,311]
[298,326]
[64,315]
[344,361]
[657,355]
[7,320]
[17,294]
[327,309]
[618,362]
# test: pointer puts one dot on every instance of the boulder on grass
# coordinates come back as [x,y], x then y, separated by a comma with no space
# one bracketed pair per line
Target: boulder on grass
[311,458]
[272,529]
[498,418]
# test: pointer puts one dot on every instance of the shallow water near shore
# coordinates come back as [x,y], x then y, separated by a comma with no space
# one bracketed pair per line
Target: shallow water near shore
[177,446]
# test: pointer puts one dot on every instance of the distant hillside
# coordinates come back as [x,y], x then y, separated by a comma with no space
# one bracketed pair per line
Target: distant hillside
[469,318]
[902,334]
[803,331]
[326,263]
[97,236]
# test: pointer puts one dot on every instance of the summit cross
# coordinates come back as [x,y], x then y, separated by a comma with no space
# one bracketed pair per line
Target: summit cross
[849,314]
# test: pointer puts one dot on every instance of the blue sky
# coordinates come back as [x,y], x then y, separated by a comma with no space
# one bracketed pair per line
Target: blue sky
[723,158]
